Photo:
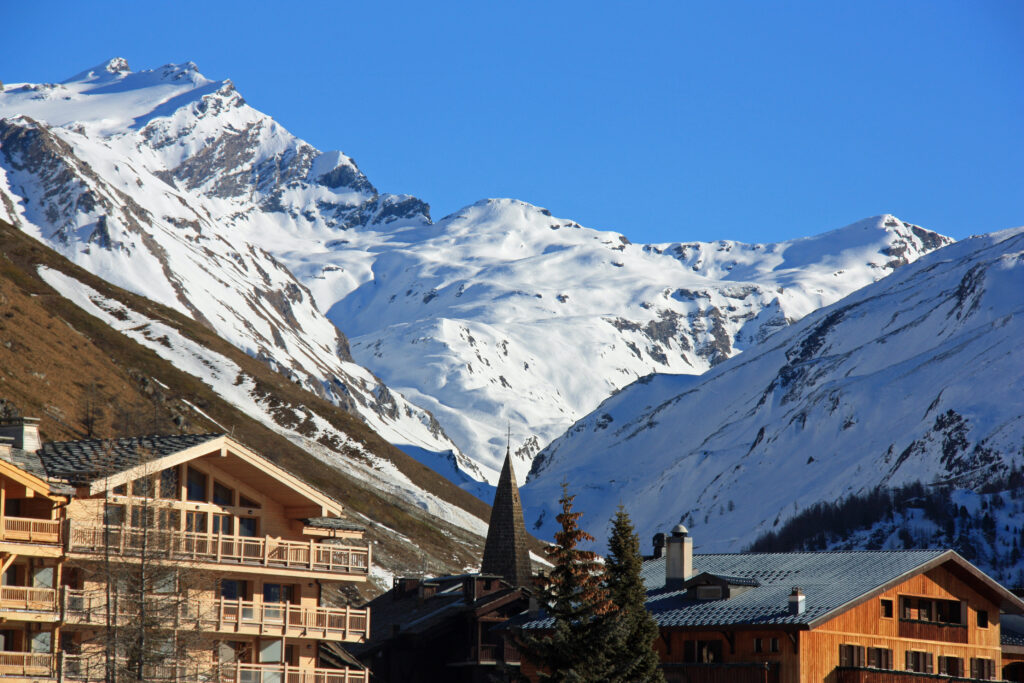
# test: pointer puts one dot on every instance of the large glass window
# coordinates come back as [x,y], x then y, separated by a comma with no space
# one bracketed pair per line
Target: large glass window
[195,522]
[113,515]
[196,485]
[170,486]
[277,592]
[223,495]
[248,527]
[223,524]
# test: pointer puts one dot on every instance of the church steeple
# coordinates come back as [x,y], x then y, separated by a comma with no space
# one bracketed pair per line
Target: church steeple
[505,553]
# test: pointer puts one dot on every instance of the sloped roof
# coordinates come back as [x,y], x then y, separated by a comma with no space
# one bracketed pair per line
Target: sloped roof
[831,581]
[84,461]
[1011,630]
[333,523]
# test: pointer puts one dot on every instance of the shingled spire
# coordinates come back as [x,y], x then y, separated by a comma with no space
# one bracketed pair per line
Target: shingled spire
[505,553]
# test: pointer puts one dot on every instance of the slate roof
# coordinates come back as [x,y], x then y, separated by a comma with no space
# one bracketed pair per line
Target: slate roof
[84,461]
[30,462]
[828,579]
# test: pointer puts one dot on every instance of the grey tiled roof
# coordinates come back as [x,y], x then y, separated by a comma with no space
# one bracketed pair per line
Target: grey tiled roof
[81,462]
[828,579]
[333,523]
[31,463]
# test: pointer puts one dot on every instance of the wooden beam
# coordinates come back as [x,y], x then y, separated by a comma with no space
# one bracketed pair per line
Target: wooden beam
[8,561]
[304,511]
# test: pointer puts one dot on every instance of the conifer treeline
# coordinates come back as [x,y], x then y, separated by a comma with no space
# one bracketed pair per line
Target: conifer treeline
[885,518]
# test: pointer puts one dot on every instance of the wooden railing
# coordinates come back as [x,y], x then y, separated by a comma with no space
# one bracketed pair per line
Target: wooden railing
[35,665]
[27,530]
[91,670]
[237,550]
[931,630]
[28,598]
[857,675]
[344,623]
[283,673]
[232,616]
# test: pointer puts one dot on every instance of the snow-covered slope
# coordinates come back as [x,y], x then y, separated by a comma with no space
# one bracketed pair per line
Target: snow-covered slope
[148,179]
[498,316]
[918,377]
[502,314]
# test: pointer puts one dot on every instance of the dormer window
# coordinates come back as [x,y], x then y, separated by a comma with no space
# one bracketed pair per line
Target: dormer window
[709,592]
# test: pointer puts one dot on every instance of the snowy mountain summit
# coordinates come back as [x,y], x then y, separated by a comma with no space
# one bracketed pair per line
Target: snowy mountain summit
[158,180]
[913,379]
[169,184]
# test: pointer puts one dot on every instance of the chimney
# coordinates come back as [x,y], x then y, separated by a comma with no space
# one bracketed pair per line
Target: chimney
[679,557]
[24,430]
[796,601]
[659,545]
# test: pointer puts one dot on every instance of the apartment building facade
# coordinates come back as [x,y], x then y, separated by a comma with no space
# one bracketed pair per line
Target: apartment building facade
[220,556]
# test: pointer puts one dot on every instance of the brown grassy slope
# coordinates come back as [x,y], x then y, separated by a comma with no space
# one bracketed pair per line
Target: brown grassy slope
[55,360]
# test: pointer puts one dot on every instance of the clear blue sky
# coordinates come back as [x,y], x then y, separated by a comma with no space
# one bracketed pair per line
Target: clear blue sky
[666,121]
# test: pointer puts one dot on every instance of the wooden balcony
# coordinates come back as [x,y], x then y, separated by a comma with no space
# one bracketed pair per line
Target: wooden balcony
[237,552]
[857,675]
[489,653]
[38,602]
[28,530]
[342,624]
[283,673]
[91,670]
[930,630]
[28,665]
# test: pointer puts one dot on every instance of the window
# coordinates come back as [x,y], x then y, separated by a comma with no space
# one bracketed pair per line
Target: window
[851,655]
[143,517]
[244,502]
[709,592]
[121,490]
[170,486]
[277,592]
[113,515]
[927,609]
[887,609]
[985,669]
[773,644]
[702,651]
[196,485]
[12,507]
[952,666]
[223,524]
[248,527]
[195,522]
[222,495]
[234,589]
[169,519]
[166,583]
[920,662]
[144,487]
[982,618]
[879,658]
[758,645]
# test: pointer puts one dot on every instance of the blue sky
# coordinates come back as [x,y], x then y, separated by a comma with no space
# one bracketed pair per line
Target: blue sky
[756,121]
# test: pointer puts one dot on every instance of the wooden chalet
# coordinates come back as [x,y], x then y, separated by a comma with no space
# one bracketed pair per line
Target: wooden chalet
[841,617]
[246,547]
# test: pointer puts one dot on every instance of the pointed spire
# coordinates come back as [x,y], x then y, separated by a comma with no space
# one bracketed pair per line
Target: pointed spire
[505,552]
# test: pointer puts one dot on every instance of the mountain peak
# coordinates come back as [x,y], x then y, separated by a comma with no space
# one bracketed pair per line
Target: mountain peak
[112,68]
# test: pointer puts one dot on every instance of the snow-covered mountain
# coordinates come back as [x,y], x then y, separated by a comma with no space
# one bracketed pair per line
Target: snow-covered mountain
[497,317]
[158,180]
[916,378]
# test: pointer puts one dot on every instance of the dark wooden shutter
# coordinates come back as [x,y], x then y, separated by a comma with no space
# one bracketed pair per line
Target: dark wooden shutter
[929,663]
[910,660]
[974,668]
[888,659]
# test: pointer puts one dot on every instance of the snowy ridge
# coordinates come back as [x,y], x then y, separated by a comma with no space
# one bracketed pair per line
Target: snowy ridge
[880,388]
[167,183]
[239,389]
[134,176]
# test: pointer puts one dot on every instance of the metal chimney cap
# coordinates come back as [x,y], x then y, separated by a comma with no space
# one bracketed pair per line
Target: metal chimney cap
[679,530]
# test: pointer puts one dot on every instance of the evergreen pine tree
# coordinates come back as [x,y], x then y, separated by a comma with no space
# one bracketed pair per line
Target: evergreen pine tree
[630,652]
[575,650]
